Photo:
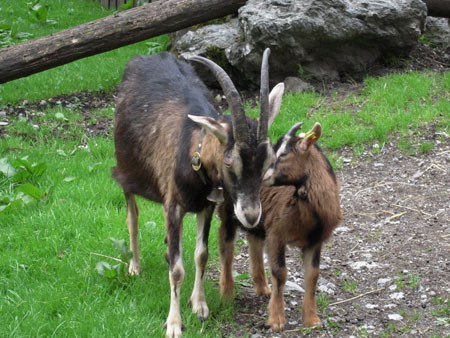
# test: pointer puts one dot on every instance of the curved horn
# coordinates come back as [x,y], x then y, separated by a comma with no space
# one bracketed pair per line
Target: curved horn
[294,129]
[263,125]
[240,128]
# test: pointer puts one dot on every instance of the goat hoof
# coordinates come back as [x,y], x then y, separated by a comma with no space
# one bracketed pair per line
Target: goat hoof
[174,330]
[263,291]
[227,292]
[277,323]
[134,269]
[200,308]
[313,322]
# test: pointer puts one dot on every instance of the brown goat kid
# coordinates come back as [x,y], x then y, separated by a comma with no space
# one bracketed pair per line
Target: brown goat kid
[302,210]
[174,148]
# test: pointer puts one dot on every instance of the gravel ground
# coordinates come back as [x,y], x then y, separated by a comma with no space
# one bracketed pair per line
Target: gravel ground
[386,270]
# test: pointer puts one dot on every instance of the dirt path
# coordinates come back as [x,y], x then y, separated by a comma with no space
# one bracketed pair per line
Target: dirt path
[391,253]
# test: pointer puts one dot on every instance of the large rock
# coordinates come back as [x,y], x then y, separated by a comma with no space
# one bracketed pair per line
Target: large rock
[322,39]
[437,32]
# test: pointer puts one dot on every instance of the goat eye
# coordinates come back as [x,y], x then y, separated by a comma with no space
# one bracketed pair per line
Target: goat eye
[283,155]
[228,161]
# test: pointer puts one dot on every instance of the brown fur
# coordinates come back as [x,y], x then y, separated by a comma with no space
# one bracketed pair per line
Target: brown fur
[303,214]
[162,110]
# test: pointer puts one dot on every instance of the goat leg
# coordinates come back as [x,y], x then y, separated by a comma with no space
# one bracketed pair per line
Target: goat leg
[277,319]
[227,235]
[132,222]
[311,261]
[198,300]
[256,248]
[174,227]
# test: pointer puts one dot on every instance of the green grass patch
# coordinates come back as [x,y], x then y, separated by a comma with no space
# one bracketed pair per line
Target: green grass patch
[49,284]
[96,73]
[398,103]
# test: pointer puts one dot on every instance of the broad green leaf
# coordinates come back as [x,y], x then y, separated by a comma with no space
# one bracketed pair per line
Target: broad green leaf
[6,168]
[23,163]
[121,246]
[102,267]
[32,191]
[39,168]
[42,13]
[110,273]
[21,176]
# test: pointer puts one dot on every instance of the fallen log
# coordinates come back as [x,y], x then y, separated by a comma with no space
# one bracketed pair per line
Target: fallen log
[438,8]
[109,33]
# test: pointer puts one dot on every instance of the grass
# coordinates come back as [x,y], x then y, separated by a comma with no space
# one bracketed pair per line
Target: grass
[48,282]
[105,69]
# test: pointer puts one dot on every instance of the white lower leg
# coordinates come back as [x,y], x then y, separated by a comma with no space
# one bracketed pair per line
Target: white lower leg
[132,222]
[198,299]
[173,323]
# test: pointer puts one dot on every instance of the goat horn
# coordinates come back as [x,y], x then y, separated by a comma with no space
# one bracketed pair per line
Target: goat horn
[263,124]
[296,127]
[240,128]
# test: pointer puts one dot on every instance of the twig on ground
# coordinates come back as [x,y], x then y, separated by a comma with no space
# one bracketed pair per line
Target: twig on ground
[444,152]
[412,209]
[396,216]
[356,297]
[351,250]
[434,165]
[113,258]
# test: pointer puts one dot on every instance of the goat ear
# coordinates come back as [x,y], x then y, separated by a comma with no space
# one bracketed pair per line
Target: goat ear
[213,127]
[310,137]
[275,101]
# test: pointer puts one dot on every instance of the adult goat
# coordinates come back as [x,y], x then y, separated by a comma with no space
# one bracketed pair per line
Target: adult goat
[174,148]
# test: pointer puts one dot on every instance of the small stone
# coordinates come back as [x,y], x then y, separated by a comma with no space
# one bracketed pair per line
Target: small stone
[395,316]
[383,281]
[291,286]
[397,295]
[371,306]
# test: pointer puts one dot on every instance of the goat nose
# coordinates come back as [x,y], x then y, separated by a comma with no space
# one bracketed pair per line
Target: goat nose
[252,219]
[248,213]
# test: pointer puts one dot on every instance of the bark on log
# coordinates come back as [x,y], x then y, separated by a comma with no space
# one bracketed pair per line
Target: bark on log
[109,33]
[438,8]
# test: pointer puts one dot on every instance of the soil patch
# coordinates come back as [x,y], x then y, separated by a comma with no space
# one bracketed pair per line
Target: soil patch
[386,270]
